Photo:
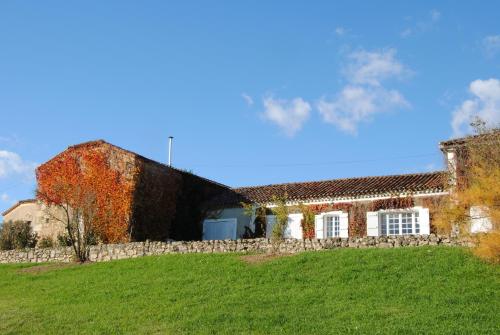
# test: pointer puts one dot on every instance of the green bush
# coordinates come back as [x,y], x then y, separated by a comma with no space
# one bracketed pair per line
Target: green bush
[17,235]
[281,213]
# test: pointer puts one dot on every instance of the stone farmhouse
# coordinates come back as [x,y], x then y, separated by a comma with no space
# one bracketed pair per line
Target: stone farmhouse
[170,203]
[367,206]
[34,212]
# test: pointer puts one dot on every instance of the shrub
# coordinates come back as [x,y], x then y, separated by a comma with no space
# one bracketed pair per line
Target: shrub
[45,242]
[63,240]
[281,213]
[17,235]
[488,247]
[258,213]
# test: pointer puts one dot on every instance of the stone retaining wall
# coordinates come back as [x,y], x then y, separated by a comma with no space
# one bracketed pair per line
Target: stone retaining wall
[107,252]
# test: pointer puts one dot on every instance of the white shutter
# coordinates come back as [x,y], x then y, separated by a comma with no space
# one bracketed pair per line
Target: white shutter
[344,225]
[318,226]
[372,224]
[294,228]
[423,214]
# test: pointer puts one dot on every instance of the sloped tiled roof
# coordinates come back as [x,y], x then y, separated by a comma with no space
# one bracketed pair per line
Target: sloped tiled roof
[493,134]
[19,203]
[349,187]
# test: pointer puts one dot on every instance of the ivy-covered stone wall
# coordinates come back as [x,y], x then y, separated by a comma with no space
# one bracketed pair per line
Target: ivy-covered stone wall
[163,202]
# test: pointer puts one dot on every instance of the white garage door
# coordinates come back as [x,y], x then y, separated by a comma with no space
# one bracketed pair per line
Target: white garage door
[220,229]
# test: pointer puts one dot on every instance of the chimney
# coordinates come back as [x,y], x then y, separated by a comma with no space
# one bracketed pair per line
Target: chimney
[170,139]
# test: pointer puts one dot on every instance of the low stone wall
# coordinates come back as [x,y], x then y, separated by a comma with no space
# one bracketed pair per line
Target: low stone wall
[107,252]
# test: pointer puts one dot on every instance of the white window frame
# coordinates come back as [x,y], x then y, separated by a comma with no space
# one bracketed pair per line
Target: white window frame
[335,225]
[391,223]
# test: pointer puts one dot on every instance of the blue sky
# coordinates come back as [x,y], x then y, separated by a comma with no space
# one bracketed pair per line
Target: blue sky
[254,92]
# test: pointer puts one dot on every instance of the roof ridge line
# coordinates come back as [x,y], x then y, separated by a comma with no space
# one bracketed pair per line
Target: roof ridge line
[102,141]
[348,178]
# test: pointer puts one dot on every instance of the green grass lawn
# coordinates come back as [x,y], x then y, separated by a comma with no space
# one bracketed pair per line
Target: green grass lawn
[427,290]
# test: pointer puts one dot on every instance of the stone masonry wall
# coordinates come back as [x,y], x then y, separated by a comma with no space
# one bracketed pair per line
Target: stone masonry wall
[107,252]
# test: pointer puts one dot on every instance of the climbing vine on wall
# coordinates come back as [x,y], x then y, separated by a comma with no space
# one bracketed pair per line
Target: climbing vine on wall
[356,213]
[392,203]
[84,181]
[307,222]
[435,205]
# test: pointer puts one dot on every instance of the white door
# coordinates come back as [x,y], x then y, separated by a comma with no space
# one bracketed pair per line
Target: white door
[294,227]
[220,229]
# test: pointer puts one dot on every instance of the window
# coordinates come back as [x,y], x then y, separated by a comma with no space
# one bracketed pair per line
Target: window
[393,221]
[400,223]
[417,223]
[332,226]
[406,223]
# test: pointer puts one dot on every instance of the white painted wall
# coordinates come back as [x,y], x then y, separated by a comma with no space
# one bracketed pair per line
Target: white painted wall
[293,228]
[41,223]
[452,166]
[242,220]
[480,222]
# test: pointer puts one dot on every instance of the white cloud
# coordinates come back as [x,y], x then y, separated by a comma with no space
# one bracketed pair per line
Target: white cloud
[4,197]
[340,31]
[435,15]
[248,99]
[12,164]
[484,104]
[9,140]
[424,25]
[491,45]
[289,115]
[430,167]
[364,95]
[371,68]
[405,33]
[355,104]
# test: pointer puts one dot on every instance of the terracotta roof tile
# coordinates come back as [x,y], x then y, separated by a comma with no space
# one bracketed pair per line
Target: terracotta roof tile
[350,187]
[462,140]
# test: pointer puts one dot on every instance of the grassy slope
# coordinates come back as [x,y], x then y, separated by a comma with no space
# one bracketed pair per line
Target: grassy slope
[414,290]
